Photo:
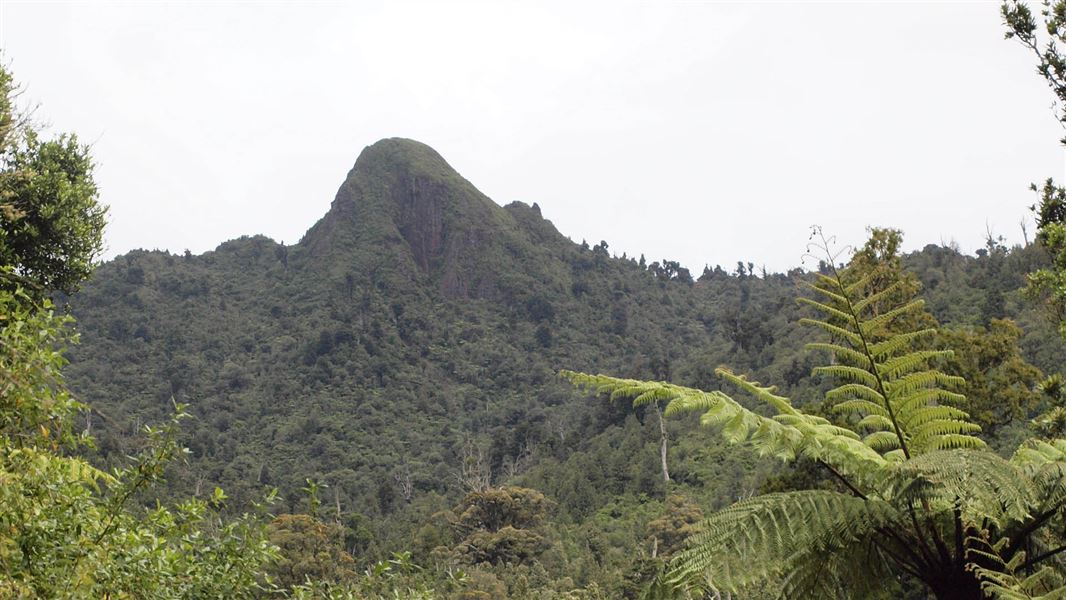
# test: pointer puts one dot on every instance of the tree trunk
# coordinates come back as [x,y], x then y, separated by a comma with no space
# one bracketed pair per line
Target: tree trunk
[959,585]
[662,443]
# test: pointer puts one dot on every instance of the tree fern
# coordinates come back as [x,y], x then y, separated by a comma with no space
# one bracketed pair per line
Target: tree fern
[920,494]
[884,380]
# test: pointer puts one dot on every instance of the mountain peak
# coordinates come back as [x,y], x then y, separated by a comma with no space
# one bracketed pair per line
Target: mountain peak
[402,154]
[403,201]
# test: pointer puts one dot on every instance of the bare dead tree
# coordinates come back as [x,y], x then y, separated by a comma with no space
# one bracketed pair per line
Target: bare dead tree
[406,483]
[515,466]
[558,427]
[474,474]
[337,503]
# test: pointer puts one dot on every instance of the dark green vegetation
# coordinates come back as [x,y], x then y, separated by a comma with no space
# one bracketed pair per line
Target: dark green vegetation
[918,497]
[404,353]
[393,375]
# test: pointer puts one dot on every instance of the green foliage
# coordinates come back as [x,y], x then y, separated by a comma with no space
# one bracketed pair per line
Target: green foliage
[51,224]
[308,550]
[1049,284]
[367,358]
[1046,41]
[1000,385]
[920,495]
[1008,580]
[66,527]
[669,531]
[500,526]
[69,529]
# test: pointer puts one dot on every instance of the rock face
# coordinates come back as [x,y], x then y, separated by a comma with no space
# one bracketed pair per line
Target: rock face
[402,197]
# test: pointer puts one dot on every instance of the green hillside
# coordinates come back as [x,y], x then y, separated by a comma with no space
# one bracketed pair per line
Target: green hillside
[408,346]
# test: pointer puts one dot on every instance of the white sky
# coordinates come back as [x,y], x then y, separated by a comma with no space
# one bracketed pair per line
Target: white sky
[698,132]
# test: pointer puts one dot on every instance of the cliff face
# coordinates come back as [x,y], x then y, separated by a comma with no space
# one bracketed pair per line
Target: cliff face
[402,198]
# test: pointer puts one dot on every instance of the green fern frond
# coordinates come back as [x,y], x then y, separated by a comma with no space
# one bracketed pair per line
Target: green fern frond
[853,357]
[885,381]
[855,289]
[825,308]
[981,484]
[764,393]
[1005,579]
[871,300]
[849,374]
[882,441]
[899,366]
[649,397]
[1035,453]
[834,330]
[884,319]
[928,414]
[760,538]
[693,403]
[899,342]
[788,435]
[878,422]
[826,289]
[857,405]
[926,397]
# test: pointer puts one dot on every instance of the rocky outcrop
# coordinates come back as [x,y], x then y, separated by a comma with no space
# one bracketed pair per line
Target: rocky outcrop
[404,199]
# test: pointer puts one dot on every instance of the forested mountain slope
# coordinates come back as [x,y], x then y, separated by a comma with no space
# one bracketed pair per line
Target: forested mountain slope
[418,322]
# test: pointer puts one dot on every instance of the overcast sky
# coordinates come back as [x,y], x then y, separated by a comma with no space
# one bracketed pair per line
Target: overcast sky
[699,132]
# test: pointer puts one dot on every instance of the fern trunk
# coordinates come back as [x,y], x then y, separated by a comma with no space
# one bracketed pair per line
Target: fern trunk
[957,585]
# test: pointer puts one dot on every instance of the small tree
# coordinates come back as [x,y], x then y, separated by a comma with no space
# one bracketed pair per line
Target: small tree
[1049,50]
[51,223]
[67,529]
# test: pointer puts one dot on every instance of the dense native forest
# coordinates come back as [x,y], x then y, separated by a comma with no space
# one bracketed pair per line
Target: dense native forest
[433,396]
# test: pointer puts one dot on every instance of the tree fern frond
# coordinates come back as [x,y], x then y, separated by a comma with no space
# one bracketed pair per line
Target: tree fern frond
[953,441]
[825,308]
[899,342]
[849,374]
[879,422]
[981,484]
[764,393]
[854,357]
[883,319]
[910,403]
[921,379]
[910,362]
[917,418]
[944,435]
[872,299]
[1007,579]
[851,397]
[856,288]
[882,440]
[789,434]
[761,537]
[834,330]
[693,403]
[826,291]
[1035,453]
[649,396]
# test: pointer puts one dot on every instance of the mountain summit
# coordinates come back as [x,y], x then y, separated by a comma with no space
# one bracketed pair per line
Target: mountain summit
[403,199]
